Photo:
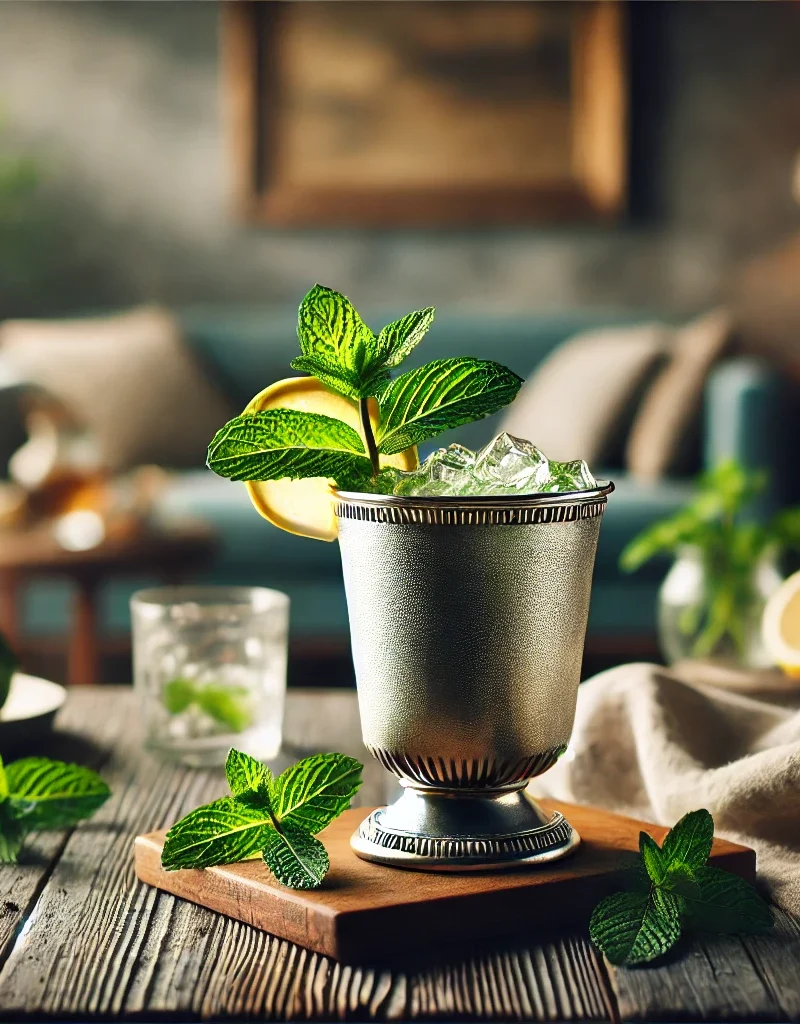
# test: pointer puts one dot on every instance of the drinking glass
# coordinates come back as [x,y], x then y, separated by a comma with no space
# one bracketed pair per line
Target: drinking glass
[209,665]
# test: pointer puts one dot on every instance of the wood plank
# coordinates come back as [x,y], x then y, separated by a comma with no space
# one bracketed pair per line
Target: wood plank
[718,978]
[21,884]
[365,912]
[99,942]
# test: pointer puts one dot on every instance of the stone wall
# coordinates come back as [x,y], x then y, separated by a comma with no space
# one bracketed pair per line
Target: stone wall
[120,104]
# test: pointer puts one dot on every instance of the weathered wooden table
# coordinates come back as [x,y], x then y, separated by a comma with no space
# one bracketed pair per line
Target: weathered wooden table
[81,937]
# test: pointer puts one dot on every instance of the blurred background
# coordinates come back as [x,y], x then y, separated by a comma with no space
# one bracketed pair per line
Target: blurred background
[603,196]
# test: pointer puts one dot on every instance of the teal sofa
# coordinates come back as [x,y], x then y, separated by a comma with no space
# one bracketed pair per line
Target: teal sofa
[246,349]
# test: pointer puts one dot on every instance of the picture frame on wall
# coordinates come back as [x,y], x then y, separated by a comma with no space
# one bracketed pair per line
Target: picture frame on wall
[408,113]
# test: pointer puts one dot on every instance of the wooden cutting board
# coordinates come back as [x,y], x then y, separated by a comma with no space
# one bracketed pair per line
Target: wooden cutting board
[365,911]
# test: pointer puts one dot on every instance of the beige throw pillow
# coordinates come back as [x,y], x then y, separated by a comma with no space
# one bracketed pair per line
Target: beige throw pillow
[765,302]
[667,411]
[128,378]
[572,406]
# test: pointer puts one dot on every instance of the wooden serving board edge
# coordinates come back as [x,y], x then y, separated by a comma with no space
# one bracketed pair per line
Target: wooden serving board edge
[339,933]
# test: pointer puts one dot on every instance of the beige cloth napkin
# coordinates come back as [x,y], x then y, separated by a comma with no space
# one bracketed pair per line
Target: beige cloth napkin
[655,743]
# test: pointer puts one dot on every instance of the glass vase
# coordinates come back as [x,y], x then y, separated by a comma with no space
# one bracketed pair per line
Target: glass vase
[715,617]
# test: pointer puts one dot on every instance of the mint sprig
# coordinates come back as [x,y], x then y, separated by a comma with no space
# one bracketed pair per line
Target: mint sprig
[676,889]
[37,793]
[276,818]
[343,352]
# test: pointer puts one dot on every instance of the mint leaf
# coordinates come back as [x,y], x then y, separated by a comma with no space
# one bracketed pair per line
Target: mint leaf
[726,904]
[178,695]
[337,345]
[245,774]
[228,705]
[442,394]
[682,881]
[633,928]
[222,832]
[52,794]
[652,858]
[351,385]
[689,842]
[8,666]
[12,834]
[282,443]
[296,858]
[3,781]
[397,339]
[316,790]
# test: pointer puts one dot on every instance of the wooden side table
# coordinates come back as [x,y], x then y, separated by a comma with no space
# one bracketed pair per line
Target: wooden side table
[170,553]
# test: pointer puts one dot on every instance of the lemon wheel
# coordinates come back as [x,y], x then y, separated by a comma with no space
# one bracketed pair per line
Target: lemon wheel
[780,626]
[306,507]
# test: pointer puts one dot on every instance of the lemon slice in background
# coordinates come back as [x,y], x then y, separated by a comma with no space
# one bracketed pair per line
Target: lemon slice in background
[306,507]
[780,626]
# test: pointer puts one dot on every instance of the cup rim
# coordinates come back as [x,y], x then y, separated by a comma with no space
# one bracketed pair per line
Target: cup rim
[485,501]
[255,599]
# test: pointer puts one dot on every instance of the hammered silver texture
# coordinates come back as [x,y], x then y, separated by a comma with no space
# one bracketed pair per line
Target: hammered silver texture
[467,642]
[467,622]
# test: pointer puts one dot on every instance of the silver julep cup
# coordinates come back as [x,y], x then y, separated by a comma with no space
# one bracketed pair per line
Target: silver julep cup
[468,618]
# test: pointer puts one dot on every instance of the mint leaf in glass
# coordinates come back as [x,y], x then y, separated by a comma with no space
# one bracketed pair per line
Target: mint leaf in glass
[227,705]
[282,443]
[246,775]
[46,794]
[725,904]
[295,857]
[633,927]
[689,842]
[178,695]
[222,832]
[442,394]
[316,790]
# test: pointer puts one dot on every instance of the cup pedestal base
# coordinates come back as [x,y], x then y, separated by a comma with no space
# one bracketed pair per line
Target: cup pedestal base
[434,830]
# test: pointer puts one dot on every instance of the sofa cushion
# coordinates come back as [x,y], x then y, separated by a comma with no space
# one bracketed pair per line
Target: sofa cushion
[661,435]
[246,348]
[575,404]
[249,545]
[129,379]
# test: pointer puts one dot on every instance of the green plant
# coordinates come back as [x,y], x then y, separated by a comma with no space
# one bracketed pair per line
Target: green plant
[277,819]
[673,888]
[38,794]
[339,349]
[227,705]
[19,182]
[730,544]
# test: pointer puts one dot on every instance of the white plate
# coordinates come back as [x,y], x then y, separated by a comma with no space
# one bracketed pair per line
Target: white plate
[30,709]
